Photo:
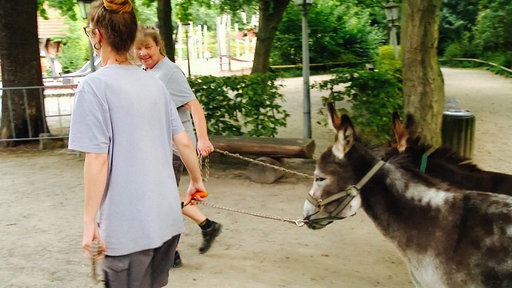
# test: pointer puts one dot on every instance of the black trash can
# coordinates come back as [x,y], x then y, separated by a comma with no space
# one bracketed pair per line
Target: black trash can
[458,131]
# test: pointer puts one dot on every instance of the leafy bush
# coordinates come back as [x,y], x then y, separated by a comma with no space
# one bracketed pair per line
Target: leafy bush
[386,60]
[340,32]
[241,105]
[370,97]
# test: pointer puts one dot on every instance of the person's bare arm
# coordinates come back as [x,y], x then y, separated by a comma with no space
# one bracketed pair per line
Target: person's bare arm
[204,146]
[95,179]
[188,155]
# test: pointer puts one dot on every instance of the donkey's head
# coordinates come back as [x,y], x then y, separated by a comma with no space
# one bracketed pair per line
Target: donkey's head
[329,199]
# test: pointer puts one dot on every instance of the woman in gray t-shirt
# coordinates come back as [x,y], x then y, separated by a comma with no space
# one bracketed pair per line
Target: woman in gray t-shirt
[126,123]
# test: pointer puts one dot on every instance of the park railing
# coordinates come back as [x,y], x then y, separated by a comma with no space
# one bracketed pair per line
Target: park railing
[496,66]
[57,104]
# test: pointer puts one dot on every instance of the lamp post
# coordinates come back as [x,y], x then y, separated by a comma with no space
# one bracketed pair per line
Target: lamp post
[85,7]
[186,26]
[305,67]
[392,11]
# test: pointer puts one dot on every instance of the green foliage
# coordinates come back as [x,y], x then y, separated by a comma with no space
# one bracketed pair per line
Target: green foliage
[462,48]
[196,10]
[338,32]
[145,11]
[457,18]
[75,48]
[494,33]
[387,61]
[241,105]
[67,7]
[477,29]
[369,97]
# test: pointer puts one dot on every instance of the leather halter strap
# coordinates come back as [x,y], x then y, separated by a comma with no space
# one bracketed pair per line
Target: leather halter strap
[424,159]
[347,195]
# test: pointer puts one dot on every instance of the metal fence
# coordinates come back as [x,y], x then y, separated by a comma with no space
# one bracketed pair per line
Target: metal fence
[58,106]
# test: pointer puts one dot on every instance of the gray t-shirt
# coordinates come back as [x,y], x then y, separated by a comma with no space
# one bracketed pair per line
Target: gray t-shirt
[127,113]
[176,83]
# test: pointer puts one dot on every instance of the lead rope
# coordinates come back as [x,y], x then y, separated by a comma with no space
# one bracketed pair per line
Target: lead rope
[298,222]
[206,163]
[264,164]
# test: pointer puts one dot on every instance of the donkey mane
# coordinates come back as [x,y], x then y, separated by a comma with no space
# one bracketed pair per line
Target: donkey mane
[417,148]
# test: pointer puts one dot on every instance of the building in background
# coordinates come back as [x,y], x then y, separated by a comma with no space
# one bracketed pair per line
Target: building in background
[50,31]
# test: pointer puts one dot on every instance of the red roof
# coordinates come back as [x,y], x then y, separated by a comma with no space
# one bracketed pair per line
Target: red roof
[54,26]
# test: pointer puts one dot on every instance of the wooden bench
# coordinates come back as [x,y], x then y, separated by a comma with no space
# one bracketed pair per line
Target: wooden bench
[266,146]
[268,149]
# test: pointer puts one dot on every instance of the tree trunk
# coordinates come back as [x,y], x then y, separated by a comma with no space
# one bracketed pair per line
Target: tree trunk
[271,13]
[423,84]
[165,27]
[21,67]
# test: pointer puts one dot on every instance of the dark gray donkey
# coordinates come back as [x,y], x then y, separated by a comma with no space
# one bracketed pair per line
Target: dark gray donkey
[447,236]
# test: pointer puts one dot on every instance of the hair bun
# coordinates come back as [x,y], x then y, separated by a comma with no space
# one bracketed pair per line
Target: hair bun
[118,5]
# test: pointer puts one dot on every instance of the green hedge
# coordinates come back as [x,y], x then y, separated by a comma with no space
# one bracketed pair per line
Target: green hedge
[369,97]
[246,105]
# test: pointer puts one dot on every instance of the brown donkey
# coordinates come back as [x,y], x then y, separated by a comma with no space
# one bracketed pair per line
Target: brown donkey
[444,164]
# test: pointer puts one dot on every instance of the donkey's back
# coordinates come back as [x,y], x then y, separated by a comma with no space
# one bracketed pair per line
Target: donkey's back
[473,249]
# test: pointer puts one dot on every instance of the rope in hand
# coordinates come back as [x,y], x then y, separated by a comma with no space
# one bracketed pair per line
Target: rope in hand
[204,161]
[96,251]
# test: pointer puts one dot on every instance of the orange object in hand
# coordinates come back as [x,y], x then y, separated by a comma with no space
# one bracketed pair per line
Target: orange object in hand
[202,194]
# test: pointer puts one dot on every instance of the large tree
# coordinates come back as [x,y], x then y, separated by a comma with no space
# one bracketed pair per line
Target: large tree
[270,15]
[165,26]
[22,110]
[423,85]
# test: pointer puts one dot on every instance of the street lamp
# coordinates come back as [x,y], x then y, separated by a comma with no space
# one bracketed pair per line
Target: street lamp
[85,7]
[305,66]
[187,26]
[392,11]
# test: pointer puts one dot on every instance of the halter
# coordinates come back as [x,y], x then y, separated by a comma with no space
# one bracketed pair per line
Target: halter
[346,196]
[424,159]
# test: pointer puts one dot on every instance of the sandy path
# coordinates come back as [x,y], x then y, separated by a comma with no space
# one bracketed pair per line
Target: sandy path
[41,206]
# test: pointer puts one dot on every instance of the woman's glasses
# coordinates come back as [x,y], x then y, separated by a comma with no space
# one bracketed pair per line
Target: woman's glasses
[88,31]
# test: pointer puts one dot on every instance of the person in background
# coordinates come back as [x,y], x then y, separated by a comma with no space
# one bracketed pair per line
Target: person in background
[126,123]
[149,49]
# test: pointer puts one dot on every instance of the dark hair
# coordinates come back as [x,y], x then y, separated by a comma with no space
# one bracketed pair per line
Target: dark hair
[116,20]
[152,32]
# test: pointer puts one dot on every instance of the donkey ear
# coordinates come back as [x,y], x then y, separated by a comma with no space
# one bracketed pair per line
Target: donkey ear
[411,126]
[401,134]
[345,137]
[334,118]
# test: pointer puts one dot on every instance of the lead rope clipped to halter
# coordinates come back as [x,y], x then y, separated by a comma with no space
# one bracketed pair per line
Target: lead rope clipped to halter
[205,161]
[298,222]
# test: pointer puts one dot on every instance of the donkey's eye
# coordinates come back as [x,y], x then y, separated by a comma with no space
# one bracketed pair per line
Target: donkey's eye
[319,179]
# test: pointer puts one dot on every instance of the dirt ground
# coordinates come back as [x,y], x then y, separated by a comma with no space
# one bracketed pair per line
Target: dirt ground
[41,208]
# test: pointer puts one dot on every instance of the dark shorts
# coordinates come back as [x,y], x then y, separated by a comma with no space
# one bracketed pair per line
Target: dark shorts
[178,166]
[147,268]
